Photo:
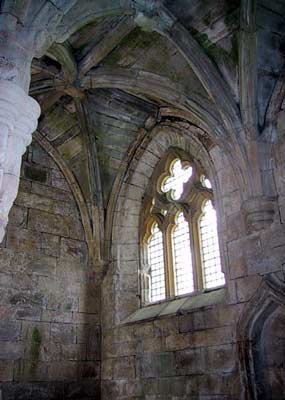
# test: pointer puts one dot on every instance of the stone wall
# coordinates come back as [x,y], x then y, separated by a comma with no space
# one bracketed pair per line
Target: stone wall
[189,348]
[50,301]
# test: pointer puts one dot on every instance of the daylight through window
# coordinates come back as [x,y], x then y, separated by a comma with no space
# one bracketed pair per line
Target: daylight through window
[182,246]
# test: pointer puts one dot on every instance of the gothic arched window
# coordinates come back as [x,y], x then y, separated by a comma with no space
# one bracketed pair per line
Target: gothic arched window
[180,239]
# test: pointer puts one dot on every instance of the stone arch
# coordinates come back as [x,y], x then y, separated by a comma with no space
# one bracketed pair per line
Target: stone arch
[76,191]
[162,88]
[124,255]
[256,324]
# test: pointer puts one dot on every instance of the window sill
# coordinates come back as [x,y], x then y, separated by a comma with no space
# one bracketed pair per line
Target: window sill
[177,305]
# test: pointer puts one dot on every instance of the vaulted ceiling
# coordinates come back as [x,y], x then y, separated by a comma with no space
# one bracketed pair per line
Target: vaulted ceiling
[104,78]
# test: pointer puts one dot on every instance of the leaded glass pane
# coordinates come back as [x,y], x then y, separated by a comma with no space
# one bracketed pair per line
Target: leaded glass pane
[156,263]
[211,261]
[182,257]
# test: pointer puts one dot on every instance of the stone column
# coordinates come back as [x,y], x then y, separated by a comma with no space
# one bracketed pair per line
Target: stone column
[18,120]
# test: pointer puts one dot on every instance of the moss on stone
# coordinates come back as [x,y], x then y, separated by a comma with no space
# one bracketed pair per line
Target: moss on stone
[217,53]
[35,348]
[104,161]
[136,39]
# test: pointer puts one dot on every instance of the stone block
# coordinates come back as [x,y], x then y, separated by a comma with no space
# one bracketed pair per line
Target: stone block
[63,333]
[52,193]
[94,343]
[28,313]
[125,282]
[25,240]
[35,173]
[89,302]
[237,264]
[43,203]
[62,371]
[235,227]
[185,323]
[121,334]
[90,370]
[180,341]
[220,158]
[134,192]
[42,329]
[156,365]
[227,181]
[172,388]
[220,359]
[84,318]
[247,286]
[190,361]
[42,221]
[145,330]
[119,350]
[6,370]
[73,352]
[124,368]
[23,281]
[165,327]
[76,230]
[41,157]
[42,265]
[151,345]
[19,391]
[48,352]
[231,203]
[63,302]
[58,180]
[72,271]
[73,250]
[9,331]
[47,391]
[25,185]
[29,370]
[11,350]
[57,316]
[28,299]
[18,216]
[254,255]
[82,390]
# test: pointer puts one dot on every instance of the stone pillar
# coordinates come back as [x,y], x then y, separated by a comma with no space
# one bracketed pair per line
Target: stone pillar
[18,120]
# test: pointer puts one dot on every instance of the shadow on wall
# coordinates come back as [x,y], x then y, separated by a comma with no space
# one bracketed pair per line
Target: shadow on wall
[262,343]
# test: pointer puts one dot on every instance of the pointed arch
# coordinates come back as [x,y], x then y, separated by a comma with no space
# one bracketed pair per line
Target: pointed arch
[269,296]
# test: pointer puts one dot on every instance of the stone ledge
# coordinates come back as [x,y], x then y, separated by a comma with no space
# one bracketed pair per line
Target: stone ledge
[180,305]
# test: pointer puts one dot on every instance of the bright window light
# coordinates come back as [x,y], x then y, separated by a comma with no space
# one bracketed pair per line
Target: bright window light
[182,257]
[211,262]
[175,182]
[156,263]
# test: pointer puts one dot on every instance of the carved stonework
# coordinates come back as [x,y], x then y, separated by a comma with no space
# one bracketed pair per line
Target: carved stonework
[18,120]
[259,213]
[259,365]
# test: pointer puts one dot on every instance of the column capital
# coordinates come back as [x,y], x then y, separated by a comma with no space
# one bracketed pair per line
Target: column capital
[18,120]
[151,16]
[259,212]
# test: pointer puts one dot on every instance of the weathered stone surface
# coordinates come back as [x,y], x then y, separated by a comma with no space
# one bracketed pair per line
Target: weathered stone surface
[153,365]
[63,333]
[207,79]
[42,221]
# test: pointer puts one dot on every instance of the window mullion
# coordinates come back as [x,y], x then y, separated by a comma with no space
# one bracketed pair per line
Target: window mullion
[169,265]
[196,253]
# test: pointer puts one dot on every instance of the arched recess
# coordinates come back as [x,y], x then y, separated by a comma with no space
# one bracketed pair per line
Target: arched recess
[258,327]
[124,219]
[76,191]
